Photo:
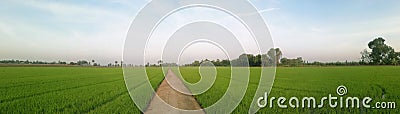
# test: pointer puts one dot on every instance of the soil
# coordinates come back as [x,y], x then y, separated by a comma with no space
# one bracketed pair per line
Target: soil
[168,95]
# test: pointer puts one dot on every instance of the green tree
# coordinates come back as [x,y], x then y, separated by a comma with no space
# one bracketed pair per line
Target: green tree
[82,62]
[272,56]
[257,60]
[381,53]
[365,57]
[147,64]
[93,63]
[225,63]
[292,62]
[251,59]
[196,63]
[278,54]
[160,62]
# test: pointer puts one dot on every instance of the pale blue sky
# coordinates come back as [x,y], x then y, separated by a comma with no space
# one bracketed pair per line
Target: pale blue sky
[72,30]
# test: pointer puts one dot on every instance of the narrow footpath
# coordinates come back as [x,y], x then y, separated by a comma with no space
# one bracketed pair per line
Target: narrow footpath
[172,97]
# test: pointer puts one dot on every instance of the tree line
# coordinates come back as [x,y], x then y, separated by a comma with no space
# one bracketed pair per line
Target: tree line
[381,54]
[378,53]
[79,62]
[269,59]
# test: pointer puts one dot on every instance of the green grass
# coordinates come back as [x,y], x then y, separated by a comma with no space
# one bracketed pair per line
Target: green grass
[66,90]
[102,90]
[311,81]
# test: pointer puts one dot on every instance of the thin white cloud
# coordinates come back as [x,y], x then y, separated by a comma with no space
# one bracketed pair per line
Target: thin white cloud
[268,9]
[260,11]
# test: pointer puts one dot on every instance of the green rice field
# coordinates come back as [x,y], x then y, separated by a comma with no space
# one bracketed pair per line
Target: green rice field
[102,90]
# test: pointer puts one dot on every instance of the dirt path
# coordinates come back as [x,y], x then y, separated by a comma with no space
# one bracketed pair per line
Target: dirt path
[168,95]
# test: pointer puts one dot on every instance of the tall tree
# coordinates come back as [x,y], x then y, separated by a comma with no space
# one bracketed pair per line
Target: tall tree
[278,53]
[147,64]
[381,53]
[365,56]
[160,62]
[272,56]
[398,58]
[93,63]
